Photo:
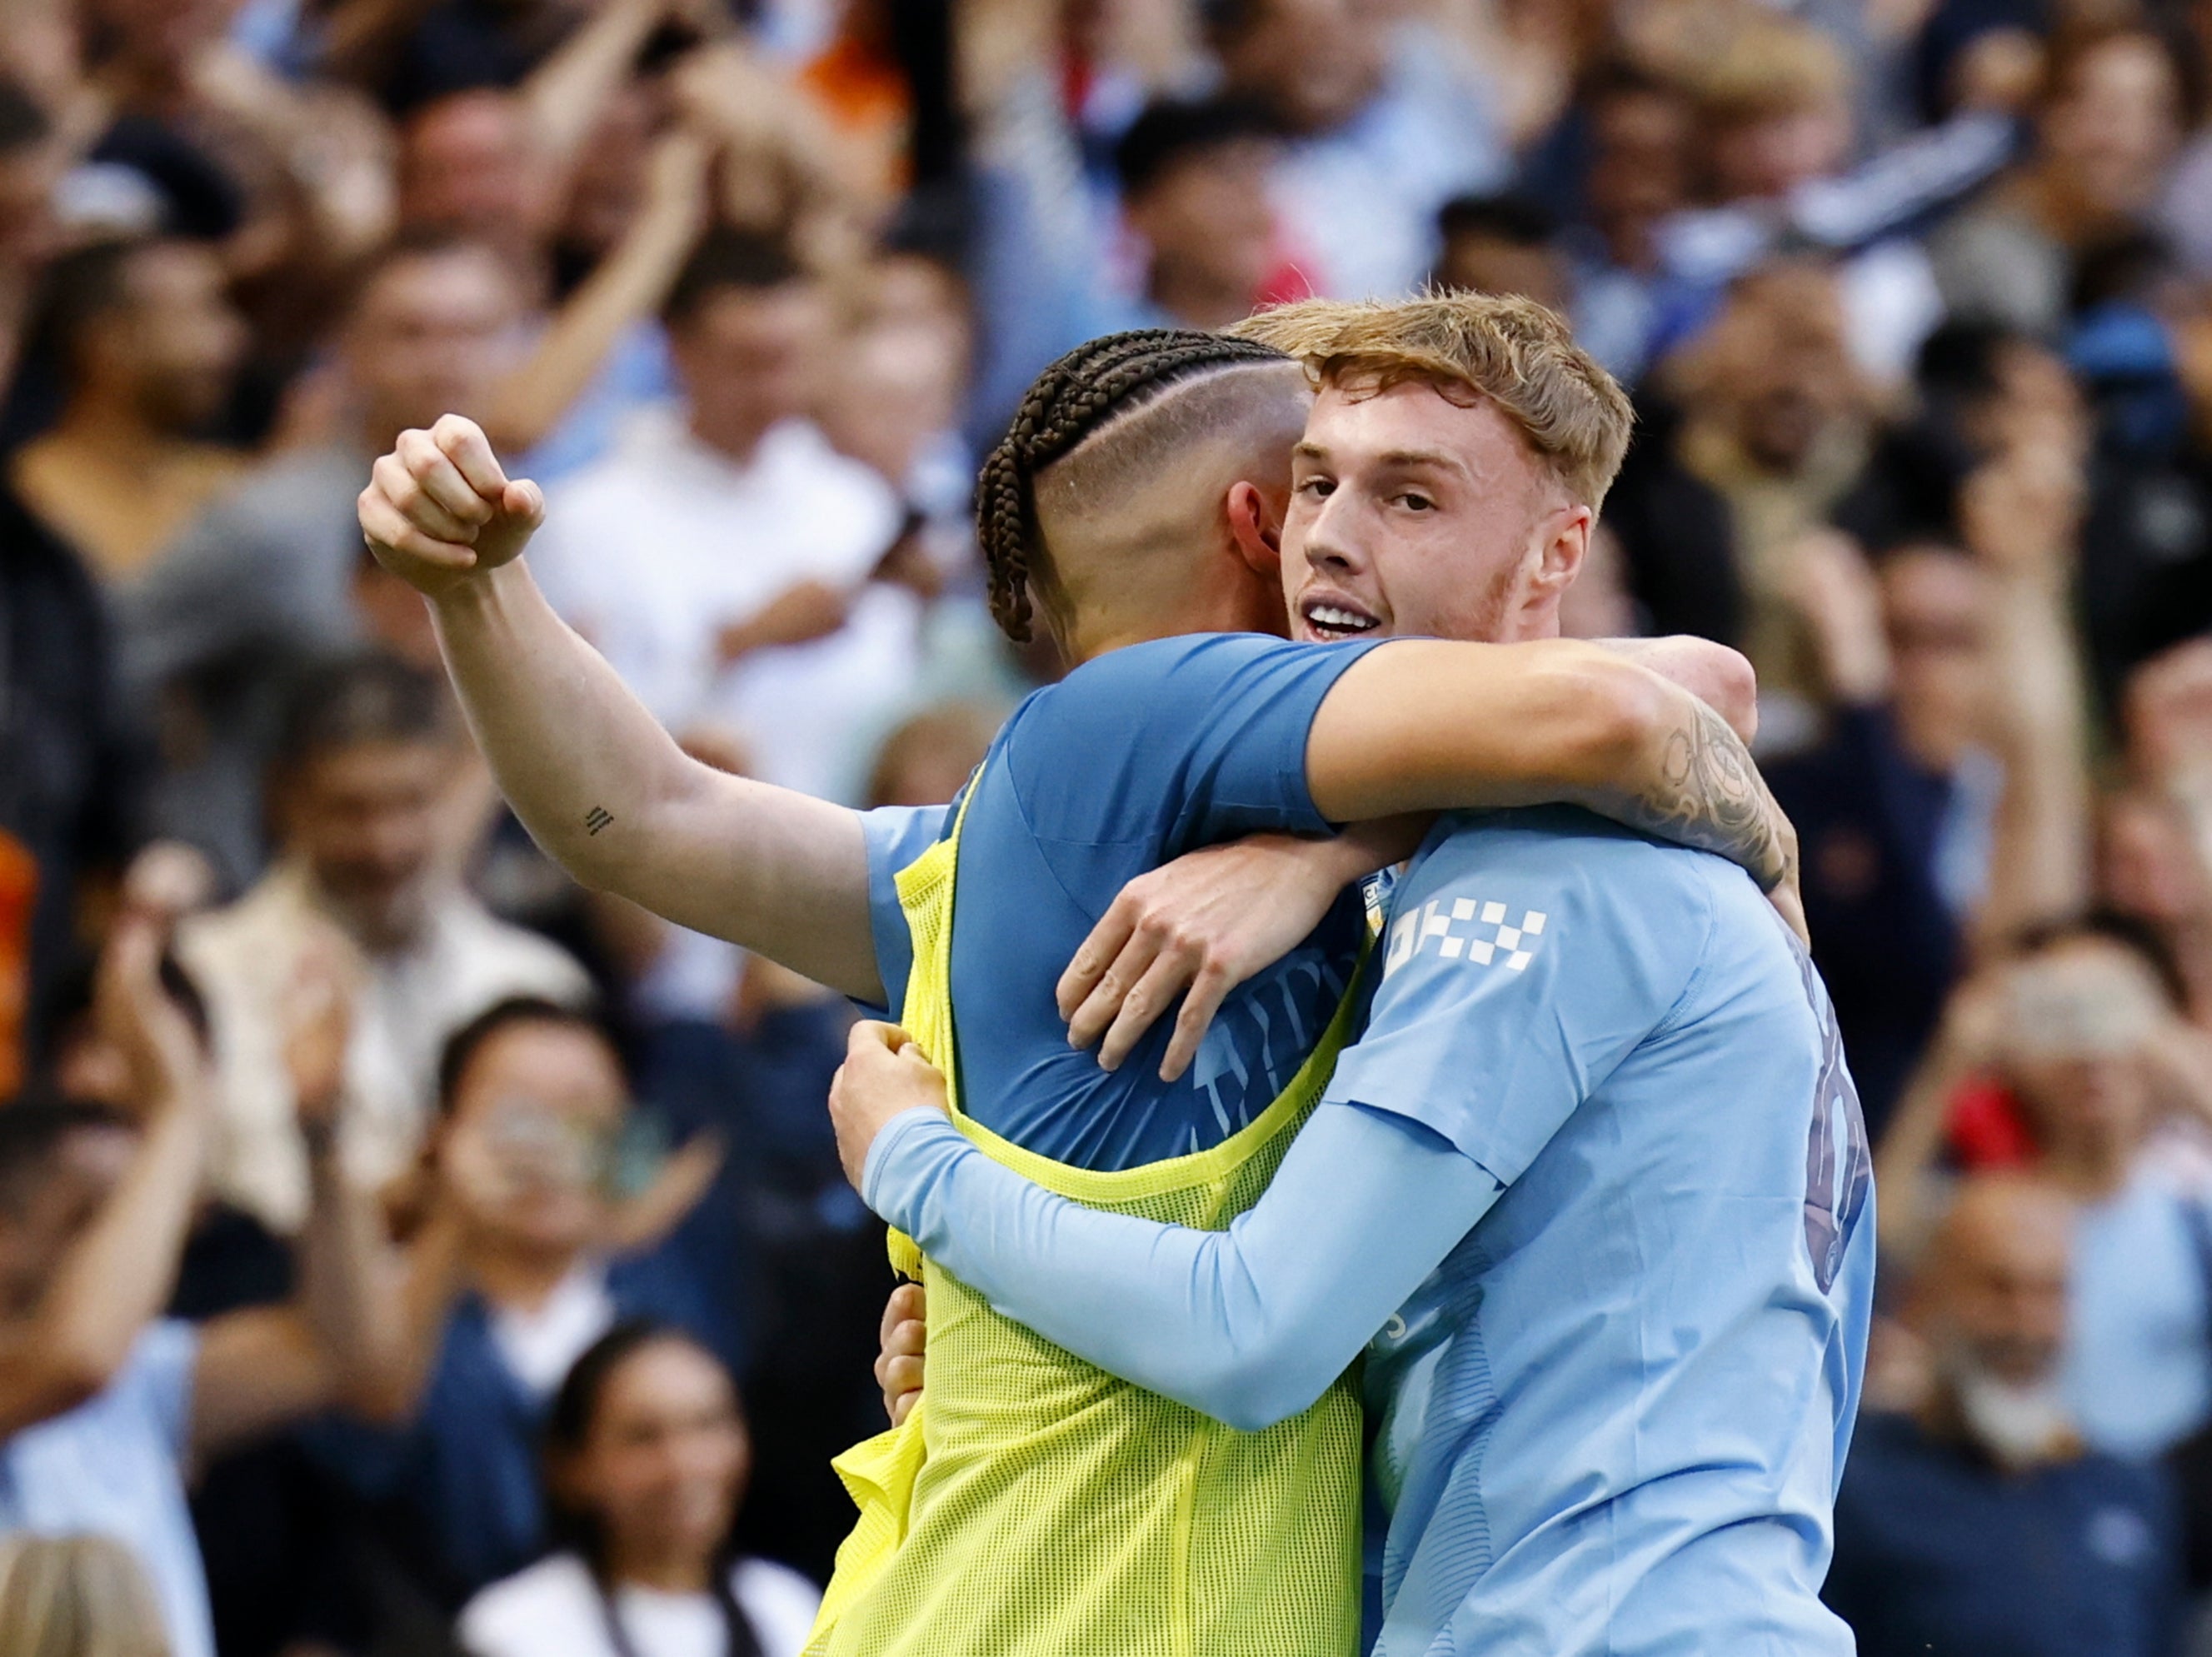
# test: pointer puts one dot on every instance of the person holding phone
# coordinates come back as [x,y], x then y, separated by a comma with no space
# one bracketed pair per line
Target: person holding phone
[539,1174]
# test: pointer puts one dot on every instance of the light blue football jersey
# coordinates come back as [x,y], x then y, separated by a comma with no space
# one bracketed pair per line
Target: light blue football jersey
[1614,1419]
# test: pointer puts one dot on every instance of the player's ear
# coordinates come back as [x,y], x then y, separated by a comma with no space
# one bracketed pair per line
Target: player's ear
[1563,541]
[1256,526]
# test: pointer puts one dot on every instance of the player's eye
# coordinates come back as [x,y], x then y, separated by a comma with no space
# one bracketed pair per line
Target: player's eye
[1319,489]
[1413,502]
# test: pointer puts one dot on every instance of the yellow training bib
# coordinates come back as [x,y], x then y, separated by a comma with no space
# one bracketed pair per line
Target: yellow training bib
[1035,1506]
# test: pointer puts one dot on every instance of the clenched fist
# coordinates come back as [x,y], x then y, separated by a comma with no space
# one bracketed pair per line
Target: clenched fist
[439,508]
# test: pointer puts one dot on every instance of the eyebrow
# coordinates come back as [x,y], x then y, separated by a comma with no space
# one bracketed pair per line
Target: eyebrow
[1306,449]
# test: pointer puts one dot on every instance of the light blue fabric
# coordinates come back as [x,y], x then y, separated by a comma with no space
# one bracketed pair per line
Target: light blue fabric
[1614,1418]
[1271,1313]
[1612,1414]
[113,1466]
[637,373]
[2138,1371]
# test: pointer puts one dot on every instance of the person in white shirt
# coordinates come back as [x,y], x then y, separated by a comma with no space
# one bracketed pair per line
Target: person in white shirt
[721,557]
[364,772]
[647,1457]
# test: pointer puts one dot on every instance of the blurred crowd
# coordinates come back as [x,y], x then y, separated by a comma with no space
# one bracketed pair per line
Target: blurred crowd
[402,1251]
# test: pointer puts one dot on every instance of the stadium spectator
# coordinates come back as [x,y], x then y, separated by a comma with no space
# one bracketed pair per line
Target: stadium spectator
[1383,125]
[79,774]
[720,559]
[531,1170]
[1943,1509]
[293,177]
[1638,176]
[646,1458]
[1774,424]
[362,777]
[2157,834]
[470,166]
[1502,244]
[258,588]
[105,1406]
[30,164]
[1194,193]
[2081,1034]
[929,759]
[149,345]
[1948,802]
[2108,122]
[76,1596]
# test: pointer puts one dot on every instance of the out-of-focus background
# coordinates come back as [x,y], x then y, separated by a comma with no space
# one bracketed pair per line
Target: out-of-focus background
[402,1250]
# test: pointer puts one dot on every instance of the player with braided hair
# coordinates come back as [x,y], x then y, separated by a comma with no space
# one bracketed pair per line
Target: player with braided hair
[1091,385]
[1057,1509]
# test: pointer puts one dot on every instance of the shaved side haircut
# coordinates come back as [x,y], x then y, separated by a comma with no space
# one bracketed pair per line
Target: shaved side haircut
[1090,394]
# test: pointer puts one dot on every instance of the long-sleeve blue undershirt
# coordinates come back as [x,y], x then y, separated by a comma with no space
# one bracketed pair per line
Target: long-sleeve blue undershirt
[1250,1325]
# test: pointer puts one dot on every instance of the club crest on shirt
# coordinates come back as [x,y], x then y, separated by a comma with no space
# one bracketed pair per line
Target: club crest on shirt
[1467,929]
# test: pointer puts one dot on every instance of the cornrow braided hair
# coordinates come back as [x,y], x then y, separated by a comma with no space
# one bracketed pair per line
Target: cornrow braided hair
[1069,401]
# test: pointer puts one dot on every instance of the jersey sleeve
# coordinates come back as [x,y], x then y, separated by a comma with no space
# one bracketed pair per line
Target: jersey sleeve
[895,836]
[1179,743]
[1526,955]
[1249,1324]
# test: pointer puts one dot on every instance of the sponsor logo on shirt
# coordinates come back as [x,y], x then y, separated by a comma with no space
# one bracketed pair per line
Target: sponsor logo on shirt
[1468,930]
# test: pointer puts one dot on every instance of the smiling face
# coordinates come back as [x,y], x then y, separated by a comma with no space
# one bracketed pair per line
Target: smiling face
[664,1463]
[1415,513]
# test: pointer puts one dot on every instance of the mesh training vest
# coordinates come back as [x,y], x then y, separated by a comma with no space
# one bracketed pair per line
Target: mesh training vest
[1033,1505]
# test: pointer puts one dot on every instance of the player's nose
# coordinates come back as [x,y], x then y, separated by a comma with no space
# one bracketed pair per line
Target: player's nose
[1332,543]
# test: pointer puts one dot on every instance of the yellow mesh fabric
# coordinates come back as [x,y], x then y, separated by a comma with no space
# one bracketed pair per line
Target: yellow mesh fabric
[1035,1504]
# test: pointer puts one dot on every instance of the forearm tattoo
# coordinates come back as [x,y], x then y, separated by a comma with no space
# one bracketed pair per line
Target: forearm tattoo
[1709,795]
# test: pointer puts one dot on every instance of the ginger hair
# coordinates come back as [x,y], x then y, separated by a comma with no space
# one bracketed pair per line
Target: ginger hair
[1512,351]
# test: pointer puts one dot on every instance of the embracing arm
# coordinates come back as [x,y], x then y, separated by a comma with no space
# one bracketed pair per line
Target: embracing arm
[591,773]
[1249,1326]
[1555,720]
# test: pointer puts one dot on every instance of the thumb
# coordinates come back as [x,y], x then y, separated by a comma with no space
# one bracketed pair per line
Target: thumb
[524,502]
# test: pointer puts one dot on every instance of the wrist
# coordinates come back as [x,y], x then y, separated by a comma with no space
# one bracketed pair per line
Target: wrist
[473,596]
[885,1172]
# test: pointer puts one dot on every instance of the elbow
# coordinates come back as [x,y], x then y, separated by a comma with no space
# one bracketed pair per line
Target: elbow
[1256,1389]
[1726,683]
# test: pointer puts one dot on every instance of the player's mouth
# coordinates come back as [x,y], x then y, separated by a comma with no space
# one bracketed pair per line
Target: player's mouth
[1327,620]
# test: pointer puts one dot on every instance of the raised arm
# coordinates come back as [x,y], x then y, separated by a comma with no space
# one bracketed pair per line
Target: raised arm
[600,785]
[343,1339]
[2019,515]
[1424,726]
[116,1277]
[628,284]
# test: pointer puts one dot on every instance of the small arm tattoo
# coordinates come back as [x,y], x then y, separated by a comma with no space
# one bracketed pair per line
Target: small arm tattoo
[1712,797]
[597,818]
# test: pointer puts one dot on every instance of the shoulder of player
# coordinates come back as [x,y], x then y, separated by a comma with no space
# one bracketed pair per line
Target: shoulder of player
[1570,878]
[1564,842]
